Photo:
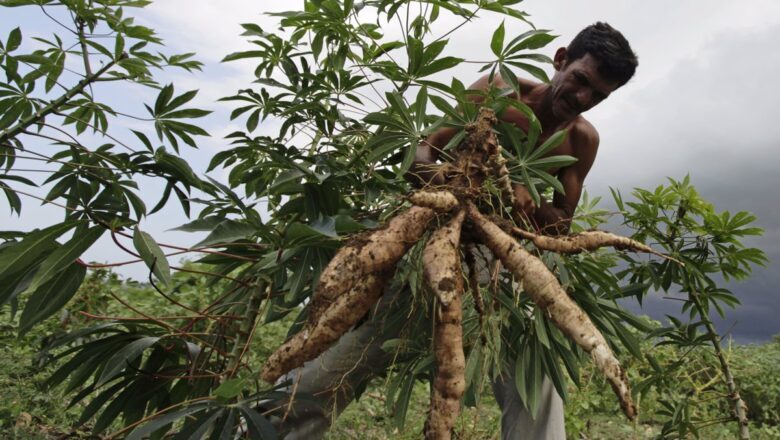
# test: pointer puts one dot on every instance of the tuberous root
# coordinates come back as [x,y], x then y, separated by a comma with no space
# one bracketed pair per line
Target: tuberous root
[349,286]
[543,288]
[442,268]
[439,201]
[587,241]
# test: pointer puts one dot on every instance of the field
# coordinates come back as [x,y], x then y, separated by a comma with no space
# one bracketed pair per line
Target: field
[31,410]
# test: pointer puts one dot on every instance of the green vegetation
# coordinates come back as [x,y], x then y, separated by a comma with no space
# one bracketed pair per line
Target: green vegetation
[351,101]
[32,410]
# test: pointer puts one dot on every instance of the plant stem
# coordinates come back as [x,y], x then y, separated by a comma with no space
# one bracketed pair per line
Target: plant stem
[740,408]
[243,338]
[82,41]
[56,104]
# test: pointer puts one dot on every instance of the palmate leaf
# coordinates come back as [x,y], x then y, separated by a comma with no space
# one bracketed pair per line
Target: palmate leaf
[165,112]
[550,144]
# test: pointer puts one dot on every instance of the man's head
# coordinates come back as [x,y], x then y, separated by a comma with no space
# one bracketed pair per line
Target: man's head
[597,62]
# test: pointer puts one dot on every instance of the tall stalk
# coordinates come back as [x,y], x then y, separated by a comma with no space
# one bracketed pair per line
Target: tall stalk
[245,331]
[740,408]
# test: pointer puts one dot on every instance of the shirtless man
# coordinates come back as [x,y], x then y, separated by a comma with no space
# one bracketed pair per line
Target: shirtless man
[598,61]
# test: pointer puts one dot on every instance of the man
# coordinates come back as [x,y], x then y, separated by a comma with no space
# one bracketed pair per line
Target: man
[597,62]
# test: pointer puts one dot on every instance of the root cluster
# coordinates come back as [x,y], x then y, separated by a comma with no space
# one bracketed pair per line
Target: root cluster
[355,278]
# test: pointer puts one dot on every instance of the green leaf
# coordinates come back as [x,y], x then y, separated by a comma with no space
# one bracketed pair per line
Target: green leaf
[298,233]
[259,427]
[152,255]
[509,77]
[438,65]
[57,66]
[119,46]
[14,40]
[549,180]
[497,42]
[64,256]
[402,402]
[528,183]
[229,388]
[100,48]
[51,297]
[420,105]
[17,283]
[162,99]
[550,144]
[201,224]
[196,429]
[158,422]
[127,354]
[558,161]
[285,178]
[16,257]
[228,231]
[246,54]
[536,39]
[537,72]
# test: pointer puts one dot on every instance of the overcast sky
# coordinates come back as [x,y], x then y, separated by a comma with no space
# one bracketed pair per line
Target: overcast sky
[704,102]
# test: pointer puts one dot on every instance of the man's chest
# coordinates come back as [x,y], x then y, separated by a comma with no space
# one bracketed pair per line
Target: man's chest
[519,120]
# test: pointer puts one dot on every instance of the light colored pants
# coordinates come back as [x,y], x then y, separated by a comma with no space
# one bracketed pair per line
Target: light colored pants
[331,379]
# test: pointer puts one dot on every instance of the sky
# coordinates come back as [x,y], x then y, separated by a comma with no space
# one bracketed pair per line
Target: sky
[703,102]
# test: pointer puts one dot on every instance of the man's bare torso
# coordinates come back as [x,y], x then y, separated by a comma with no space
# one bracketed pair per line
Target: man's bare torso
[578,127]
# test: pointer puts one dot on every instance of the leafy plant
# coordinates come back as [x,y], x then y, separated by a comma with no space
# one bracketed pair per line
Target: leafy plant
[353,103]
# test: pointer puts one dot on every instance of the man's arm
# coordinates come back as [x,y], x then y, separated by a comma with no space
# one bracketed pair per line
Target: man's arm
[555,217]
[423,170]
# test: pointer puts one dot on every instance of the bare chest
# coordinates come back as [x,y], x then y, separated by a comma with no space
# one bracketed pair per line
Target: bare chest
[565,148]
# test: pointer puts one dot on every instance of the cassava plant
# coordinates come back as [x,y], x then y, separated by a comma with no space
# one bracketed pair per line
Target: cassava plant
[339,100]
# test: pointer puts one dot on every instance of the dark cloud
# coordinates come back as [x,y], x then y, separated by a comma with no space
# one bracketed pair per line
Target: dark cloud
[714,116]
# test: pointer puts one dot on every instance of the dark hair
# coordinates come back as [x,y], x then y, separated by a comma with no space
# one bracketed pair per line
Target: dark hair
[617,62]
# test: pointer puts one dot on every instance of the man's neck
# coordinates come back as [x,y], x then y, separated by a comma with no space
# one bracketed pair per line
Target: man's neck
[540,100]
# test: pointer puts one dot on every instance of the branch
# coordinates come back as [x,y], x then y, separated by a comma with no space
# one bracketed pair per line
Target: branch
[54,105]
[82,41]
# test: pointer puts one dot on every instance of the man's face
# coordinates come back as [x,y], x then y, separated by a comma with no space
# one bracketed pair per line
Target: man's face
[577,85]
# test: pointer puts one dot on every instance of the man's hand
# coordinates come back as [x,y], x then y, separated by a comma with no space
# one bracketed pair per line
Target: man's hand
[523,201]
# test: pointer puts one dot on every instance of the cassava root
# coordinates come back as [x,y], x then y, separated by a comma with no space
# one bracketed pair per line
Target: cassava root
[587,241]
[439,201]
[376,251]
[442,269]
[336,320]
[441,260]
[352,282]
[544,289]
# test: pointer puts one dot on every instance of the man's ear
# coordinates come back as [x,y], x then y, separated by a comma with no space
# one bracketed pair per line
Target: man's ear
[559,61]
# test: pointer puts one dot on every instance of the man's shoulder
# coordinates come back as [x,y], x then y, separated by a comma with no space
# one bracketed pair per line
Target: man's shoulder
[583,135]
